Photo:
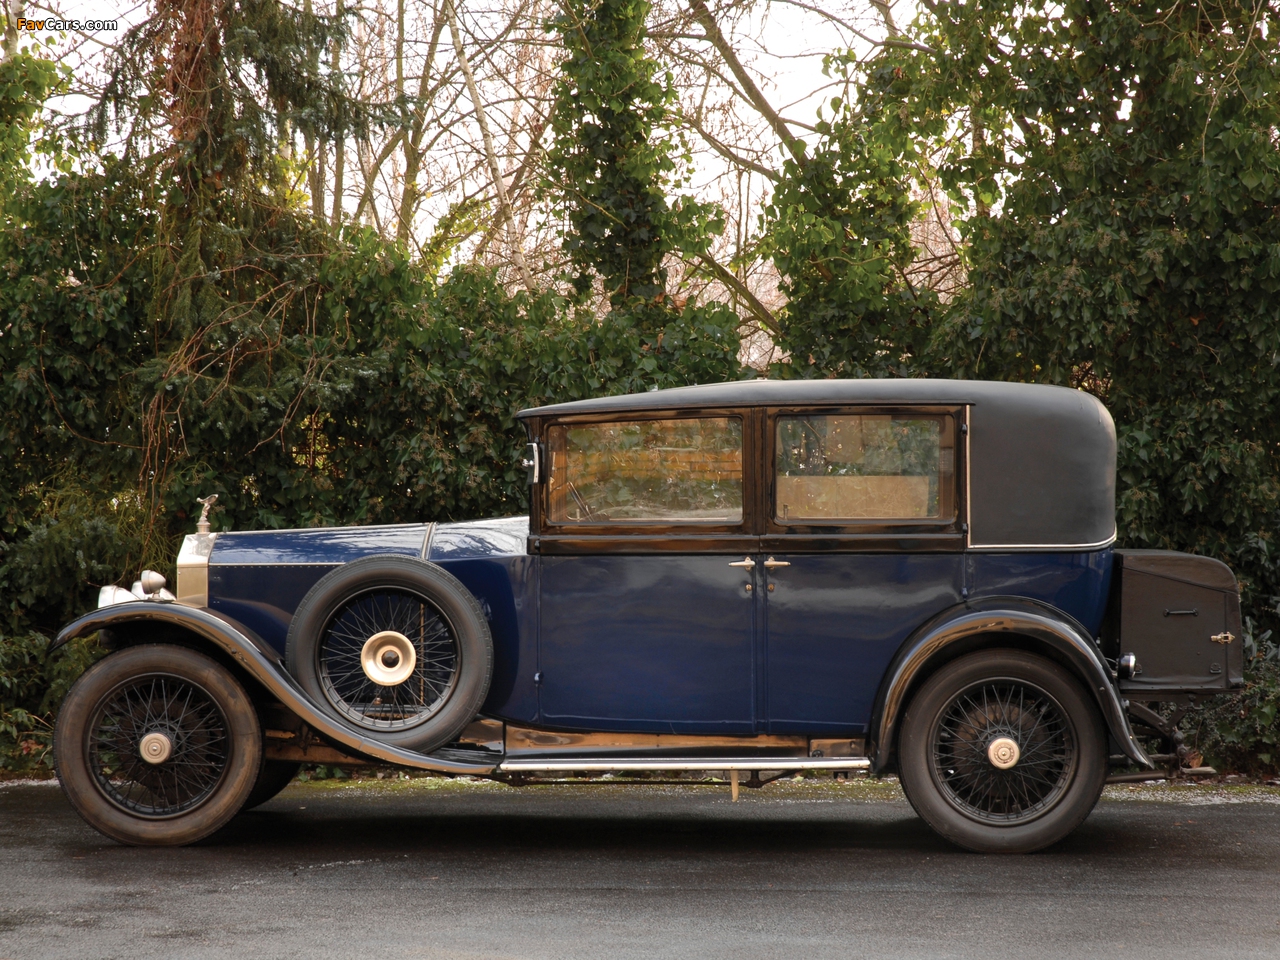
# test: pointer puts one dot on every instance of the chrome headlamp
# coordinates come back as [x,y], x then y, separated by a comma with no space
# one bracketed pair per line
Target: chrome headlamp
[149,586]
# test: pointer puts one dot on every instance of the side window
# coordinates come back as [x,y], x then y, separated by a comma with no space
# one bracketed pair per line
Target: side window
[646,471]
[832,468]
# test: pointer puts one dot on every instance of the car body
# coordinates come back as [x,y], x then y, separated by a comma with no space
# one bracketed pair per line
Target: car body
[755,576]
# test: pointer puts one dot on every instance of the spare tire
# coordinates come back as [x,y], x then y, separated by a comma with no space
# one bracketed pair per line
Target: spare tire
[395,648]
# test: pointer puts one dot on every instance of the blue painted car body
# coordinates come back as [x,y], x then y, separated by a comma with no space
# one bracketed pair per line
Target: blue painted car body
[668,643]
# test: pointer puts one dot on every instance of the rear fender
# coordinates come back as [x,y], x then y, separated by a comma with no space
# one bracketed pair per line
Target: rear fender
[989,623]
[261,662]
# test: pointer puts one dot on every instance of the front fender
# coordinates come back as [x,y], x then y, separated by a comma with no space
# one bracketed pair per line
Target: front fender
[263,663]
[966,627]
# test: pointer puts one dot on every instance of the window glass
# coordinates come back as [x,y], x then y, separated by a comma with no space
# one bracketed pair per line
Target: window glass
[849,467]
[661,471]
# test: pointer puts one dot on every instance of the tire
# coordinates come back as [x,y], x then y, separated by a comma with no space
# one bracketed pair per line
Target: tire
[952,738]
[150,696]
[419,606]
[274,776]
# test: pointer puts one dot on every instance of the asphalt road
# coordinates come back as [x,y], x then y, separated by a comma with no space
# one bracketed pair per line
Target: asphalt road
[796,871]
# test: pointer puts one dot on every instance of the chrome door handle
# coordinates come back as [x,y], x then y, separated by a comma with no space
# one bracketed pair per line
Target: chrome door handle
[771,563]
[746,563]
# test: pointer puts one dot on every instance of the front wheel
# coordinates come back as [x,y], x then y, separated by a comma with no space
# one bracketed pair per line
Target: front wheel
[1003,752]
[157,745]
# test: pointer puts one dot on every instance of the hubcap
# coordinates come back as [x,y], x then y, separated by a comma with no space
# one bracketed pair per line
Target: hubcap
[1003,753]
[388,658]
[155,748]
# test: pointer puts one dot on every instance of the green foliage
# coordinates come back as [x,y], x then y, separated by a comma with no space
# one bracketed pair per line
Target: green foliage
[614,155]
[1241,731]
[175,325]
[76,541]
[25,82]
[378,396]
[217,305]
[838,228]
[320,771]
[464,459]
[1137,257]
[32,684]
[178,326]
[216,87]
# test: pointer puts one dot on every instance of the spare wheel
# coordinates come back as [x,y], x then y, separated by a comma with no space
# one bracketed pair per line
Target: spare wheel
[395,648]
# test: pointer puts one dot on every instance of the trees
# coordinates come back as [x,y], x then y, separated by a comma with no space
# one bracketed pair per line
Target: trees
[1117,195]
[614,156]
[840,230]
[180,325]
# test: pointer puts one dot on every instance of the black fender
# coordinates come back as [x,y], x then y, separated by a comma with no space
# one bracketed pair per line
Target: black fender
[261,661]
[970,626]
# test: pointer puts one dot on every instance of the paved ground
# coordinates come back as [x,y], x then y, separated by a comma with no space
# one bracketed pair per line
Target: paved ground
[431,869]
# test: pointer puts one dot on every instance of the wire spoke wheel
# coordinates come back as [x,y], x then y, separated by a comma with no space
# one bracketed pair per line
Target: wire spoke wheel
[997,711]
[157,744]
[361,696]
[1003,751]
[177,717]
[395,648]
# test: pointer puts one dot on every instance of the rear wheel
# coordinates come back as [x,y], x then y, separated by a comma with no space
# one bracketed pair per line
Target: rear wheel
[1003,752]
[157,745]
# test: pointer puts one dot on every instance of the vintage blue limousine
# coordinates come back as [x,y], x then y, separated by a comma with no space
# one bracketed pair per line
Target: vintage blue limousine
[910,576]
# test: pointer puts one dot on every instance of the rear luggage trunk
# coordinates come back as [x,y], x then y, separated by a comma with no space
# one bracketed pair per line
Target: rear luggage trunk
[1179,615]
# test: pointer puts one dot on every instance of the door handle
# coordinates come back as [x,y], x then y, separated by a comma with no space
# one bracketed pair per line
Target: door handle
[771,563]
[746,563]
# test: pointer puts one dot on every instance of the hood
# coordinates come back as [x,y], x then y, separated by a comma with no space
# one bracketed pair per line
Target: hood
[332,546]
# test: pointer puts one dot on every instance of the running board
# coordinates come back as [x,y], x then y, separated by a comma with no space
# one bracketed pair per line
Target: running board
[636,765]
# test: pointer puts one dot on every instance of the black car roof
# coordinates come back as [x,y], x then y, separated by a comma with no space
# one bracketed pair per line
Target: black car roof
[799,392]
[1042,458]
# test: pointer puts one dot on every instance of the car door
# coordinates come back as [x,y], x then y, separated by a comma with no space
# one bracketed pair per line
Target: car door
[863,543]
[647,592]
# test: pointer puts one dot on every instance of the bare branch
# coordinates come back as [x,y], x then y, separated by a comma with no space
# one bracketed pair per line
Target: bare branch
[758,309]
[717,39]
[726,152]
[504,204]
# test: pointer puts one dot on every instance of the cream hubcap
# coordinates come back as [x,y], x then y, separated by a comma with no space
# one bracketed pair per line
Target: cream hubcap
[1003,753]
[388,658]
[155,748]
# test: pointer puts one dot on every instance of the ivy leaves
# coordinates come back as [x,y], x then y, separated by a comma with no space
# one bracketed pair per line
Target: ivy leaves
[614,156]
[839,229]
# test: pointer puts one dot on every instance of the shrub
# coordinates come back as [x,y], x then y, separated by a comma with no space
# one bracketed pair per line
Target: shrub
[1240,732]
[32,684]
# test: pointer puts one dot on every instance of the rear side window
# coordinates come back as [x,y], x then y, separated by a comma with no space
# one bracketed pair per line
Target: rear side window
[646,471]
[850,467]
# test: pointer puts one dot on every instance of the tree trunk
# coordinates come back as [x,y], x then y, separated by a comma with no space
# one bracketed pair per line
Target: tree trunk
[12,11]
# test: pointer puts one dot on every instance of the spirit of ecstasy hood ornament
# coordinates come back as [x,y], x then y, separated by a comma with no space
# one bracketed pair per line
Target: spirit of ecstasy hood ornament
[202,525]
